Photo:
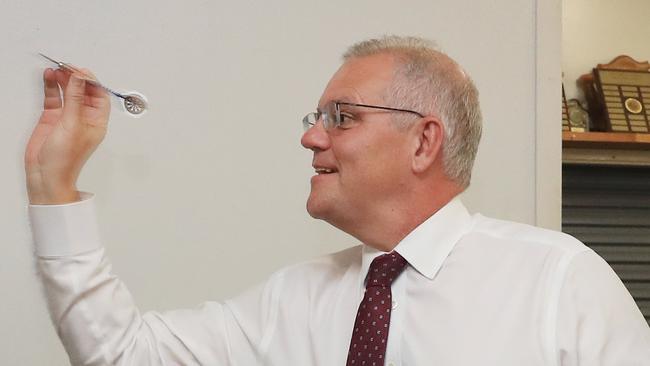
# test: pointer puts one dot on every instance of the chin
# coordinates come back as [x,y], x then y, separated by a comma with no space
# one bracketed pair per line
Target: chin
[314,208]
[321,206]
[328,211]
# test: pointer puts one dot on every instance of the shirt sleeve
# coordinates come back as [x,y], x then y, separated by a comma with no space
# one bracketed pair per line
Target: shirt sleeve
[598,321]
[98,322]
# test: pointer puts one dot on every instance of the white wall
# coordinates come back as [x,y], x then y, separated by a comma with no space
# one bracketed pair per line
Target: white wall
[596,31]
[205,194]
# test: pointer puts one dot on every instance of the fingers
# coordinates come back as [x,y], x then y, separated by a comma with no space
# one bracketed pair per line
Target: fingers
[52,98]
[88,74]
[85,102]
[62,78]
[73,98]
[96,96]
[93,89]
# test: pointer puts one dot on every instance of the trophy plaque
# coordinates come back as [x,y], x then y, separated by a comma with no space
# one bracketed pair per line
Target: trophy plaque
[565,113]
[618,95]
[626,96]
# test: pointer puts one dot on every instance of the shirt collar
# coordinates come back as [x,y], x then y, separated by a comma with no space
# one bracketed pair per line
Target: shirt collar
[428,245]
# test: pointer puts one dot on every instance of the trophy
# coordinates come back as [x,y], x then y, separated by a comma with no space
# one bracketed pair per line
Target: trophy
[618,94]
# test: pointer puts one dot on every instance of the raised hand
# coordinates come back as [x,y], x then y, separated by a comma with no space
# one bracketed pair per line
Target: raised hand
[67,133]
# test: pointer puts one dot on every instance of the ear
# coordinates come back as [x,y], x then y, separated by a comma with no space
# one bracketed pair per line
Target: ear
[427,137]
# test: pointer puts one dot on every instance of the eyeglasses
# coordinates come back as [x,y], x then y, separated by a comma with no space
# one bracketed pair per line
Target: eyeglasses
[334,117]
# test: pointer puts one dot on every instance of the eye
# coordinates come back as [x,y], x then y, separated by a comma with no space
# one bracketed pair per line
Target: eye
[348,120]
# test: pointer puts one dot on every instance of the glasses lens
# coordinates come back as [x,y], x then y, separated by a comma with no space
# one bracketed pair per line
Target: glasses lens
[309,120]
[331,116]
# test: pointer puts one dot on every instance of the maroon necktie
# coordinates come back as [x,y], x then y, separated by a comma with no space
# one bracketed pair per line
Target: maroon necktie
[370,333]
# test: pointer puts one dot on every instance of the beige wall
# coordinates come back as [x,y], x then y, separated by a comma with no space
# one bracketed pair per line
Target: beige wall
[596,31]
[205,194]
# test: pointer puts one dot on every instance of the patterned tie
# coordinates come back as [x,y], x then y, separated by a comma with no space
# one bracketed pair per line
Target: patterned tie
[370,333]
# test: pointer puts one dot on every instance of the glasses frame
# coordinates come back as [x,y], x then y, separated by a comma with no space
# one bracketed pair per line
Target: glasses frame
[337,114]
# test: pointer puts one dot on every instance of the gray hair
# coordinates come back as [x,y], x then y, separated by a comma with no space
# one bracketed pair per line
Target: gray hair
[430,82]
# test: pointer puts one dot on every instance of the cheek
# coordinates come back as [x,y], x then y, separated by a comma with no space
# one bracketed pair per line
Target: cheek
[374,168]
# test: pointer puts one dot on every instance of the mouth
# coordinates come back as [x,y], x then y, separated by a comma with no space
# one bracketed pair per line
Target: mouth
[320,170]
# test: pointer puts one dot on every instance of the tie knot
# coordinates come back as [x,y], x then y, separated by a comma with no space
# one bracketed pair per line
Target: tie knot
[384,269]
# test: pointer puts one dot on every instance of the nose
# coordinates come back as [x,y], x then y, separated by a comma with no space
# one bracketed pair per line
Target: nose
[316,138]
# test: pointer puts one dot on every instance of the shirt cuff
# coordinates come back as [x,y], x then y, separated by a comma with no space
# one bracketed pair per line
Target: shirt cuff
[66,229]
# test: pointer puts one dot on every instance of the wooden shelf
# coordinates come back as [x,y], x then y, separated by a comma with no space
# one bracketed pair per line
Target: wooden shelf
[608,140]
[606,148]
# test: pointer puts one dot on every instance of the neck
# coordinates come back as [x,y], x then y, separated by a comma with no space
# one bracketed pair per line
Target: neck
[392,223]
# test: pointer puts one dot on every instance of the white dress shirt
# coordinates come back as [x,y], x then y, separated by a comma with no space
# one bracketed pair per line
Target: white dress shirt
[476,291]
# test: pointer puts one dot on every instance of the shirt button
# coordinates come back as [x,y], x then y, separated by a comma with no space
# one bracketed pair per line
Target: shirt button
[393,306]
[391,364]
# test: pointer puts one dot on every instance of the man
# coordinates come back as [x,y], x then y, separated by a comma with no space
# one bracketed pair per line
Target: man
[393,139]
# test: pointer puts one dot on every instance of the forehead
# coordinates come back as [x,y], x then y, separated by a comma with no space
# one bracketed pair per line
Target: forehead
[360,80]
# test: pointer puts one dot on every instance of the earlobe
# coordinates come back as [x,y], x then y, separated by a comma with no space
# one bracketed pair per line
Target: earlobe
[428,135]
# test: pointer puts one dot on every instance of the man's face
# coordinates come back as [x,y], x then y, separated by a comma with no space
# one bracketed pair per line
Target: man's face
[361,170]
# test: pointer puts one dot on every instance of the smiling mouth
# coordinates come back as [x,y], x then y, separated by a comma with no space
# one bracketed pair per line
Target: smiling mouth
[325,171]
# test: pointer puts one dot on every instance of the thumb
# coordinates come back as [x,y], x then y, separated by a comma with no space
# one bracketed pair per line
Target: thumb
[74,97]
